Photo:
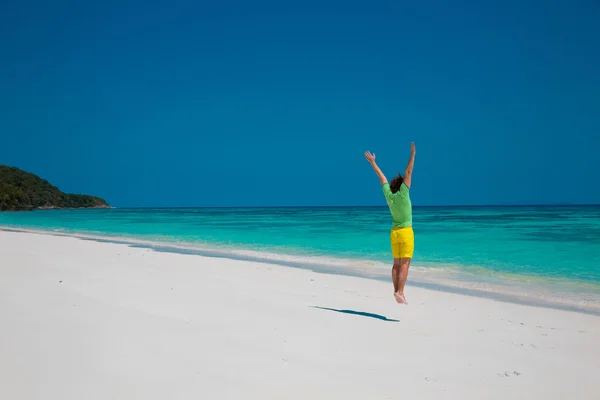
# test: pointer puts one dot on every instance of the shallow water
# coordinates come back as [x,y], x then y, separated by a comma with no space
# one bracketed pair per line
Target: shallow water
[517,249]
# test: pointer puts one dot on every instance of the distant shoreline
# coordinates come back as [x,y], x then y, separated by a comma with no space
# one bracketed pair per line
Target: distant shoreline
[23,191]
[48,208]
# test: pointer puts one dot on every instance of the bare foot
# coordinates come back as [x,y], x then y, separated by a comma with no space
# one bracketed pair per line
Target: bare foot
[400,298]
[397,297]
[403,299]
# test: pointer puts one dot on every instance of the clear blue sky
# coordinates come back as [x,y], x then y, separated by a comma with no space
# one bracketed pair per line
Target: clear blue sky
[255,103]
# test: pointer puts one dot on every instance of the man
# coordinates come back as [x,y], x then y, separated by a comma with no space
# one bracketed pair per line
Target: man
[401,237]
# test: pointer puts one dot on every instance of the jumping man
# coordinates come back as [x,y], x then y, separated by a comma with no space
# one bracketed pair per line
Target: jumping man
[401,237]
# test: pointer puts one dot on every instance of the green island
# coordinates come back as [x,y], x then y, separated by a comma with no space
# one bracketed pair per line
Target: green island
[23,191]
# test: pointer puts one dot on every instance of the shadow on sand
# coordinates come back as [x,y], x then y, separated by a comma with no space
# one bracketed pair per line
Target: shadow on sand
[362,314]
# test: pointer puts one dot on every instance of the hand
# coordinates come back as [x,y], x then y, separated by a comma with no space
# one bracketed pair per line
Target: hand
[370,157]
[413,149]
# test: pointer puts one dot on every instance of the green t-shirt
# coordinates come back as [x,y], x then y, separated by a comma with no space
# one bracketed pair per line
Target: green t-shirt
[400,205]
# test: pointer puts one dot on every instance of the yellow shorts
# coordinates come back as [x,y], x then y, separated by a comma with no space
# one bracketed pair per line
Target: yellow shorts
[403,242]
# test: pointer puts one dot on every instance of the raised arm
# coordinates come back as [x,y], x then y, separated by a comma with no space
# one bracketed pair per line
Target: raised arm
[371,159]
[407,178]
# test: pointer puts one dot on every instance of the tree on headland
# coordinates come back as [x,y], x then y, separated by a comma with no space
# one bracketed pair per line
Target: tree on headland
[21,191]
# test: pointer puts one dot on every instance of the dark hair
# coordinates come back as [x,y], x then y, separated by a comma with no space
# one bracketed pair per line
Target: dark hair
[396,183]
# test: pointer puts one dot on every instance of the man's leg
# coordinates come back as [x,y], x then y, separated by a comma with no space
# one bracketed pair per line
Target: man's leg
[396,277]
[404,265]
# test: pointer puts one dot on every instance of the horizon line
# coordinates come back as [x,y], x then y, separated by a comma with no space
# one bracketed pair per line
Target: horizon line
[366,206]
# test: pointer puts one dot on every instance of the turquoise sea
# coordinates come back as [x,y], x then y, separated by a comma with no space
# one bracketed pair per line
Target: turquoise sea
[545,254]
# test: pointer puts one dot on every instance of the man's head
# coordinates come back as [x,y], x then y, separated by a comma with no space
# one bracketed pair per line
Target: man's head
[396,183]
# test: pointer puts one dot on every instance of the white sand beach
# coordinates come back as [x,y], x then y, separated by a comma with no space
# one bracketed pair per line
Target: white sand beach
[90,320]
